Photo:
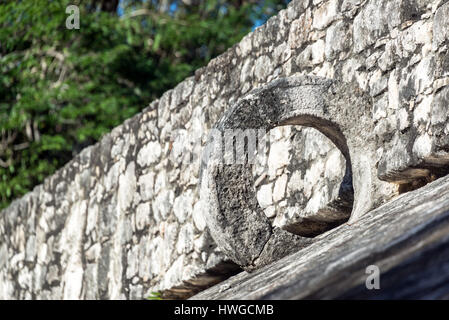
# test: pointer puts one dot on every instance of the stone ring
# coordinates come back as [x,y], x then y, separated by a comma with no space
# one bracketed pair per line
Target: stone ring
[340,111]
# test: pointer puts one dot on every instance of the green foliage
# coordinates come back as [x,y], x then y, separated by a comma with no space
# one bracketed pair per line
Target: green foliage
[62,89]
[155,296]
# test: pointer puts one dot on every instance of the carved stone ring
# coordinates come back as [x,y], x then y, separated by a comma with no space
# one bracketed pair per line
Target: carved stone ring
[341,111]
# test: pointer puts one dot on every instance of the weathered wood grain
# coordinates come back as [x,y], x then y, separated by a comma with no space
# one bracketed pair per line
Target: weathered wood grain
[407,238]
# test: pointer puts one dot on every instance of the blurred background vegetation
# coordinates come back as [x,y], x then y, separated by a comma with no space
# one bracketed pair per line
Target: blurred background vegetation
[61,89]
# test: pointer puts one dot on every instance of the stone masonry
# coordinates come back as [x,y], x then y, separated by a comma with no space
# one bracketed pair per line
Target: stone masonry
[124,219]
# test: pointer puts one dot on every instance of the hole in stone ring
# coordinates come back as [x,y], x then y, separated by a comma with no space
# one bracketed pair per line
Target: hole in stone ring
[303,186]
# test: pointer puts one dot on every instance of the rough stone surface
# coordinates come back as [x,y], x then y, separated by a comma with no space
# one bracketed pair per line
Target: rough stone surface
[235,218]
[407,239]
[399,59]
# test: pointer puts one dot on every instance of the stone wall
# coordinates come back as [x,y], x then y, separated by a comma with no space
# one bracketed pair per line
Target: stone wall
[123,219]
